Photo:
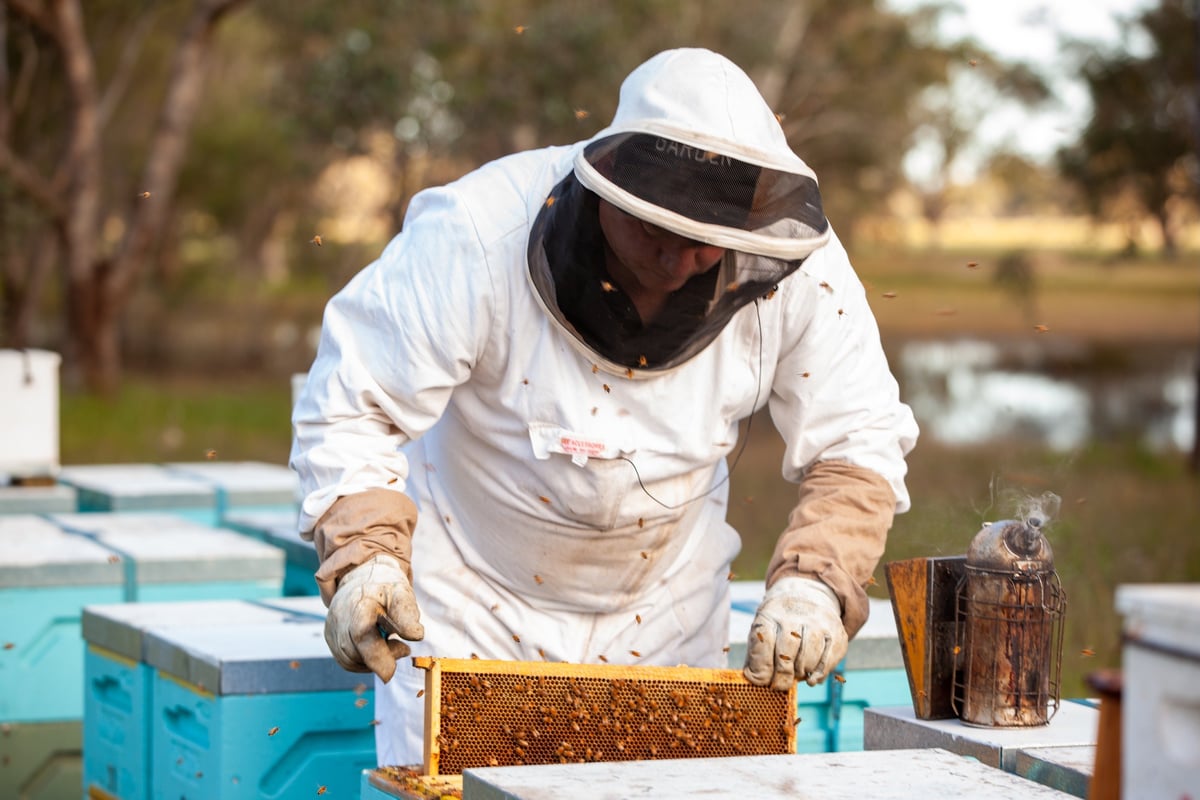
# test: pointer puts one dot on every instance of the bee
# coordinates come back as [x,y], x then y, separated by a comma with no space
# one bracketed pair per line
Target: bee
[731,575]
[360,688]
[273,731]
[607,388]
[581,113]
[475,656]
[374,722]
[1087,652]
[294,664]
[725,649]
[642,524]
[421,693]
[1040,328]
[872,582]
[629,372]
[519,29]
[785,658]
[545,500]
[638,617]
[144,195]
[525,381]
[495,607]
[393,480]
[603,658]
[973,62]
[771,293]
[839,677]
[210,454]
[595,368]
[635,654]
[644,555]
[889,295]
[972,264]
[361,702]
[825,285]
[779,117]
[550,201]
[642,361]
[322,789]
[841,312]
[537,579]
[732,286]
[594,410]
[316,240]
[759,635]
[447,518]
[516,638]
[608,287]
[542,653]
[793,633]
[114,559]
[9,645]
[957,649]
[805,374]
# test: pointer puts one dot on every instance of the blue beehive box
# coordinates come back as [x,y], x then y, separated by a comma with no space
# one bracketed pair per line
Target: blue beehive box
[245,485]
[47,576]
[171,558]
[281,529]
[30,499]
[118,697]
[256,711]
[871,674]
[141,488]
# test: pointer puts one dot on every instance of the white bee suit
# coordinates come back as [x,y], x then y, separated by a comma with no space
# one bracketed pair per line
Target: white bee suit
[561,496]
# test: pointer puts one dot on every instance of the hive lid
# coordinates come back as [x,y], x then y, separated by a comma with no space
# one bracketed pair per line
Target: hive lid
[244,483]
[251,659]
[37,499]
[122,627]
[140,486]
[170,549]
[279,528]
[1162,614]
[35,552]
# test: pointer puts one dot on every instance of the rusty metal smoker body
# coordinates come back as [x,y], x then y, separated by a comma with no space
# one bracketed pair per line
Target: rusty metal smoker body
[1009,613]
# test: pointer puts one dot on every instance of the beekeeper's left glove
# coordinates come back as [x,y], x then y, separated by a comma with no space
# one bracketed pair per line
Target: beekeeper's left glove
[797,635]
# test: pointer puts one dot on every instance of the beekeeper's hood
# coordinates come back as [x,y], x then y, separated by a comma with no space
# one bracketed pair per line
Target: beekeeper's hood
[694,148]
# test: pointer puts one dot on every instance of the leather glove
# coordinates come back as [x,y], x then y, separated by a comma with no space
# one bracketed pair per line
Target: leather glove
[374,595]
[797,635]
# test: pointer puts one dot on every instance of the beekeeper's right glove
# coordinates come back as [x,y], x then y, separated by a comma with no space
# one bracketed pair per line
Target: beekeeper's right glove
[373,601]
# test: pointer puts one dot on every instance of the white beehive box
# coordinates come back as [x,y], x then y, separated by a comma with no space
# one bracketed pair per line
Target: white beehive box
[28,414]
[1160,698]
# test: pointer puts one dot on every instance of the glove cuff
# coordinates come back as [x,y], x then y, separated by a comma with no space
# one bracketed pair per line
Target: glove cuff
[359,527]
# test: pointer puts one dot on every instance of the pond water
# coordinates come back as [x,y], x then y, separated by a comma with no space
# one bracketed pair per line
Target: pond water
[971,391]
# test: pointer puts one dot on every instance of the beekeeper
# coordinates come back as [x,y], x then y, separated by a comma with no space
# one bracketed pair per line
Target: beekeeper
[513,441]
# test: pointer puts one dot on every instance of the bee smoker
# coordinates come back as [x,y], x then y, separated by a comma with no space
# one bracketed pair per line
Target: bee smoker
[1008,628]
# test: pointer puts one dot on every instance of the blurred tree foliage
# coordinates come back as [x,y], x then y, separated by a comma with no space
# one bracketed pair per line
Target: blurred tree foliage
[426,90]
[1138,153]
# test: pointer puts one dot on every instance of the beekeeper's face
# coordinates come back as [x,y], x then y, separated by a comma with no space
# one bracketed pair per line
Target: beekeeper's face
[647,257]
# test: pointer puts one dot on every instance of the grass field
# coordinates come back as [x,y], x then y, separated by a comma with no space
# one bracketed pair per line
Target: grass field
[1128,515]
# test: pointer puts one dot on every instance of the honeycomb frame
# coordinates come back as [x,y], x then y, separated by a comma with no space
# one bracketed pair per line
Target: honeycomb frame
[481,713]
